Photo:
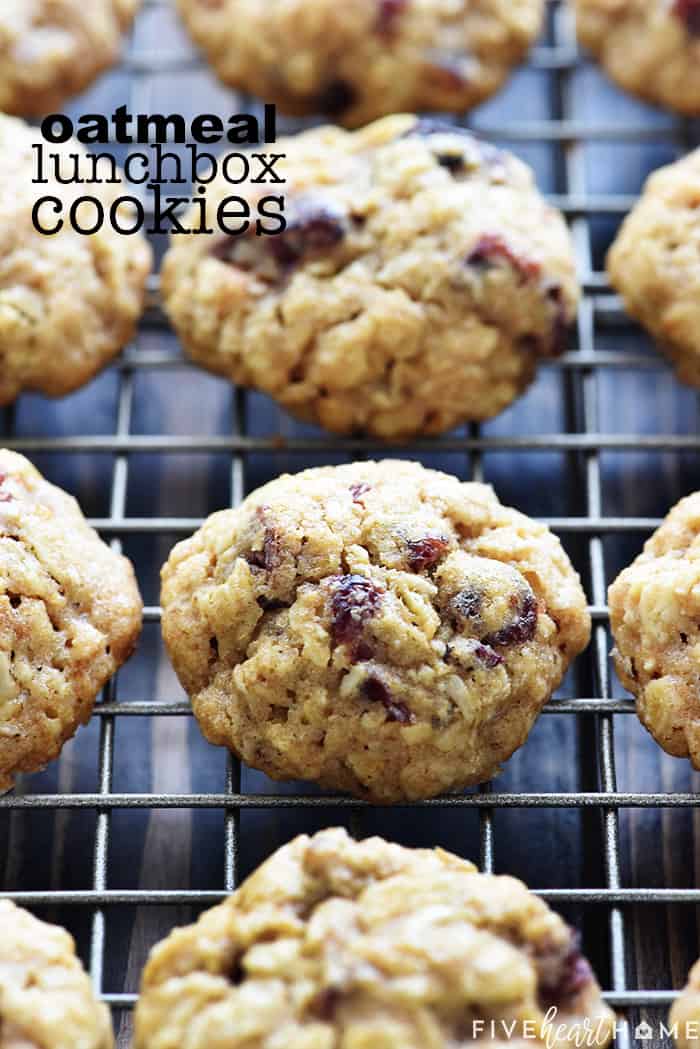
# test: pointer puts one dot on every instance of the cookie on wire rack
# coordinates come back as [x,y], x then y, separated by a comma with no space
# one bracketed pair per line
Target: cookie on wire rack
[69,302]
[46,998]
[358,61]
[379,628]
[336,942]
[654,615]
[654,263]
[420,280]
[51,50]
[70,615]
[650,48]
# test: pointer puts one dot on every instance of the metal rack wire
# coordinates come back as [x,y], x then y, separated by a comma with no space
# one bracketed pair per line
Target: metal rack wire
[581,439]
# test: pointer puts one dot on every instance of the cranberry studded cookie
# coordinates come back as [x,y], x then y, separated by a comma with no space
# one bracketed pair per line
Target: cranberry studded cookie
[366,59]
[655,263]
[68,302]
[46,998]
[655,617]
[420,279]
[651,48]
[53,49]
[335,942]
[70,615]
[379,628]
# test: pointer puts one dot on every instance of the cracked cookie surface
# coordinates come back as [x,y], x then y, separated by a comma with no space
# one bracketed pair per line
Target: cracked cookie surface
[70,615]
[358,61]
[654,615]
[419,281]
[651,48]
[51,50]
[68,303]
[334,942]
[46,998]
[379,628]
[655,263]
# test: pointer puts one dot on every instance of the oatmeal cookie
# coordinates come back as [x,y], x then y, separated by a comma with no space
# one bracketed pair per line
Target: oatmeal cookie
[655,263]
[366,944]
[376,627]
[358,61]
[420,279]
[70,615]
[53,49]
[68,303]
[655,620]
[651,48]
[46,999]
[685,1012]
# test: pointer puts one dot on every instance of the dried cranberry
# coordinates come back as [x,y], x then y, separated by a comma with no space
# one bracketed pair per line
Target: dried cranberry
[270,556]
[467,603]
[425,553]
[5,497]
[336,98]
[358,490]
[562,973]
[689,12]
[492,249]
[522,628]
[486,655]
[388,13]
[354,600]
[312,229]
[376,691]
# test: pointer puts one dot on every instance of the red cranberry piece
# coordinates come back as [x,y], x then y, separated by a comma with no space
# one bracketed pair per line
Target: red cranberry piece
[689,12]
[358,490]
[492,249]
[522,628]
[563,973]
[5,497]
[336,98]
[486,655]
[425,553]
[354,600]
[467,603]
[270,556]
[376,691]
[389,11]
[312,229]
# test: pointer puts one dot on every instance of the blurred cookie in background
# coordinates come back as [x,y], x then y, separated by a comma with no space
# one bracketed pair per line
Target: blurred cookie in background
[651,48]
[69,302]
[419,281]
[51,50]
[655,263]
[358,61]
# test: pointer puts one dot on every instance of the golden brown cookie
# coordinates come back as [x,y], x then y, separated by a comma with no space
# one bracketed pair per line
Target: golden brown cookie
[70,615]
[366,944]
[655,263]
[358,61]
[419,281]
[51,50]
[377,627]
[655,620]
[68,303]
[651,48]
[46,999]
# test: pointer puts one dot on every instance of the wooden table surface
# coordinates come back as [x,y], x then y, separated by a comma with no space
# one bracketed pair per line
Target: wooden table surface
[50,849]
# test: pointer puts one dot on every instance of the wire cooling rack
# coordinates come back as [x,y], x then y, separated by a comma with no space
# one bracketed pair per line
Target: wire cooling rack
[141,825]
